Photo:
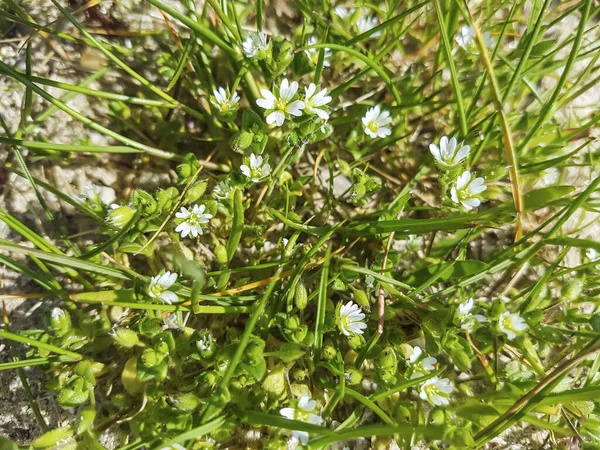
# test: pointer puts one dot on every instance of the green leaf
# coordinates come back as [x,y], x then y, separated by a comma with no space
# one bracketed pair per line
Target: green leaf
[51,438]
[545,196]
[448,270]
[237,226]
[74,394]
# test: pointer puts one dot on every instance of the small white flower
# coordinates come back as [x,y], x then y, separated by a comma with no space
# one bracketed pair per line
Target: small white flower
[314,100]
[465,190]
[256,44]
[449,154]
[465,317]
[511,324]
[304,412]
[437,391]
[174,447]
[313,53]
[344,13]
[592,255]
[57,314]
[225,102]
[256,170]
[420,366]
[222,190]
[192,220]
[365,23]
[466,39]
[550,176]
[351,319]
[159,285]
[282,105]
[376,121]
[414,243]
[205,342]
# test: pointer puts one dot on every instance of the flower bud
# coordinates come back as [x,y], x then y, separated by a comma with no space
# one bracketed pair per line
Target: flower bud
[119,217]
[387,359]
[301,296]
[125,337]
[195,191]
[59,322]
[353,377]
[292,323]
[329,352]
[356,342]
[221,253]
[361,298]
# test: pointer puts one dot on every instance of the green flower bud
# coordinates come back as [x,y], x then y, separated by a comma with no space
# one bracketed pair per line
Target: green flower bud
[572,290]
[353,377]
[274,383]
[125,337]
[292,323]
[387,359]
[120,400]
[301,333]
[356,342]
[59,322]
[338,285]
[402,414]
[358,192]
[361,298]
[299,374]
[221,253]
[195,191]
[285,178]
[119,217]
[329,352]
[300,296]
[115,313]
[437,417]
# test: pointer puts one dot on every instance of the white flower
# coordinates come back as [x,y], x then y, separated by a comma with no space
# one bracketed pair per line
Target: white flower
[57,314]
[437,391]
[550,176]
[465,317]
[592,255]
[511,324]
[376,121]
[174,447]
[365,23]
[313,53]
[192,220]
[466,39]
[159,285]
[414,243]
[314,100]
[449,154]
[344,13]
[351,319]
[304,412]
[205,342]
[420,366]
[225,102]
[282,105]
[465,190]
[256,44]
[222,190]
[256,170]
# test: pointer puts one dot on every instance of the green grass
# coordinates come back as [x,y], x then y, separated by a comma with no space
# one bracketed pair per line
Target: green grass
[344,213]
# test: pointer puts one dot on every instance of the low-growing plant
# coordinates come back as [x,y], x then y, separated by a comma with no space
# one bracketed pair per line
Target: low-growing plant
[380,226]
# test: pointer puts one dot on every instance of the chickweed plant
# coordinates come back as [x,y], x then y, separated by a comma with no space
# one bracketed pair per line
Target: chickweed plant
[379,231]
